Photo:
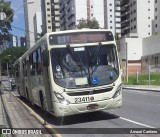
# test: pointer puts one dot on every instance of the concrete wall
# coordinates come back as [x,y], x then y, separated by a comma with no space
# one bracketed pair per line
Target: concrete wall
[151,45]
[134,48]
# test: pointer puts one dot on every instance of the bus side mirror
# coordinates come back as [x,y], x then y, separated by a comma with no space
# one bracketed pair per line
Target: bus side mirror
[45,57]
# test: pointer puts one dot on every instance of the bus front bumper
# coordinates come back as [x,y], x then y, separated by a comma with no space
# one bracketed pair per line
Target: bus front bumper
[71,109]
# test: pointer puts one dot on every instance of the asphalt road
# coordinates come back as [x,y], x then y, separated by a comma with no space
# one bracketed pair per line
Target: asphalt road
[141,109]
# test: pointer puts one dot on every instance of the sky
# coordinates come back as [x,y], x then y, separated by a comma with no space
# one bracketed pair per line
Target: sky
[17,6]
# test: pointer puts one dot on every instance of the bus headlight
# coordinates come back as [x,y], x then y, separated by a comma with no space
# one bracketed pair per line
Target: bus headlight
[61,99]
[118,91]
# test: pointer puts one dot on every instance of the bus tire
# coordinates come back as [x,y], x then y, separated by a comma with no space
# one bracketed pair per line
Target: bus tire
[27,93]
[19,91]
[41,99]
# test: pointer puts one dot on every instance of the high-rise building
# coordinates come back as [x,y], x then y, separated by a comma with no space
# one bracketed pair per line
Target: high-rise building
[137,18]
[156,27]
[37,25]
[29,11]
[50,16]
[71,11]
[22,41]
[112,16]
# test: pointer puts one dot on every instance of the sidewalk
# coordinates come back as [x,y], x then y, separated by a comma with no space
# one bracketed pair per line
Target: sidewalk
[2,116]
[142,87]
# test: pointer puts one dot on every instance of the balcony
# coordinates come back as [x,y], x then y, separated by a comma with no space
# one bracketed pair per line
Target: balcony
[125,10]
[125,17]
[124,2]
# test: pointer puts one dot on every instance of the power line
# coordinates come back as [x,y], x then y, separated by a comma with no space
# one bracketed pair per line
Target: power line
[23,29]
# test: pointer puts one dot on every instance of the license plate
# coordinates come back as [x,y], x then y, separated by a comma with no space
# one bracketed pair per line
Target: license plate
[92,106]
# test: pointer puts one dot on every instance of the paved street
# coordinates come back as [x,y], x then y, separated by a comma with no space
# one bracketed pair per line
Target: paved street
[140,109]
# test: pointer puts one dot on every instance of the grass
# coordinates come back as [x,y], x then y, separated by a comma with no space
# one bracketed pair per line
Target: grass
[143,79]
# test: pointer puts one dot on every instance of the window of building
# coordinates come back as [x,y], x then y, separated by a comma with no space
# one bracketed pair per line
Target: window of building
[135,19]
[110,10]
[48,3]
[155,17]
[156,25]
[148,9]
[149,26]
[48,9]
[110,27]
[131,4]
[131,20]
[149,33]
[48,15]
[110,4]
[155,1]
[49,27]
[135,27]
[155,9]
[131,12]
[110,15]
[148,1]
[131,28]
[110,21]
[134,11]
[134,2]
[148,17]
[91,6]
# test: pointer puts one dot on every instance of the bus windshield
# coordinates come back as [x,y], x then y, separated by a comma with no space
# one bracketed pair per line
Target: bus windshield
[86,66]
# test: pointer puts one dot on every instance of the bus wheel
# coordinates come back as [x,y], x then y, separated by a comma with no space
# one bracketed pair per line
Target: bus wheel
[41,99]
[27,94]
[19,91]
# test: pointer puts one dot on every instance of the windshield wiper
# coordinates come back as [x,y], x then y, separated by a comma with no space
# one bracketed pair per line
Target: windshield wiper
[74,57]
[96,52]
[59,62]
[95,57]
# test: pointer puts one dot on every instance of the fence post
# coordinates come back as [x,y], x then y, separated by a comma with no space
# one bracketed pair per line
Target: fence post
[149,82]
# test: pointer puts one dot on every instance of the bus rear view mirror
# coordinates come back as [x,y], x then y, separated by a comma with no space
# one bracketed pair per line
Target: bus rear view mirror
[45,57]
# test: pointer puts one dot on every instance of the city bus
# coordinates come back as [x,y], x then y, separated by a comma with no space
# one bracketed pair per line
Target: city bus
[71,72]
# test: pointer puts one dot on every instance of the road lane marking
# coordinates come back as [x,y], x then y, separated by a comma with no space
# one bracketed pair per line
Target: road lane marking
[138,123]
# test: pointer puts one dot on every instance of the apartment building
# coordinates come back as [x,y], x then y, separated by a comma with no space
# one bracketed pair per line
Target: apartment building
[156,27]
[137,18]
[37,25]
[29,12]
[50,16]
[71,11]
[112,16]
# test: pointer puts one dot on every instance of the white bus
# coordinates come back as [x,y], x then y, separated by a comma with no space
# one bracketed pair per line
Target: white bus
[71,72]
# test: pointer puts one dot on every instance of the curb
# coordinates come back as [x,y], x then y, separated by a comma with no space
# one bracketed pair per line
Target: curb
[46,125]
[144,89]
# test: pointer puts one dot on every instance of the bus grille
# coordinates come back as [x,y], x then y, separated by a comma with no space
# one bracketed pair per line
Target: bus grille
[89,92]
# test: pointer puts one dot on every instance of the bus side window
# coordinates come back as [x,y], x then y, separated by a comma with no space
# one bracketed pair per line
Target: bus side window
[17,71]
[39,62]
[31,64]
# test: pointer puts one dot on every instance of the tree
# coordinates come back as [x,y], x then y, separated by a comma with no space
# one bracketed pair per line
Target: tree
[10,55]
[85,23]
[5,24]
